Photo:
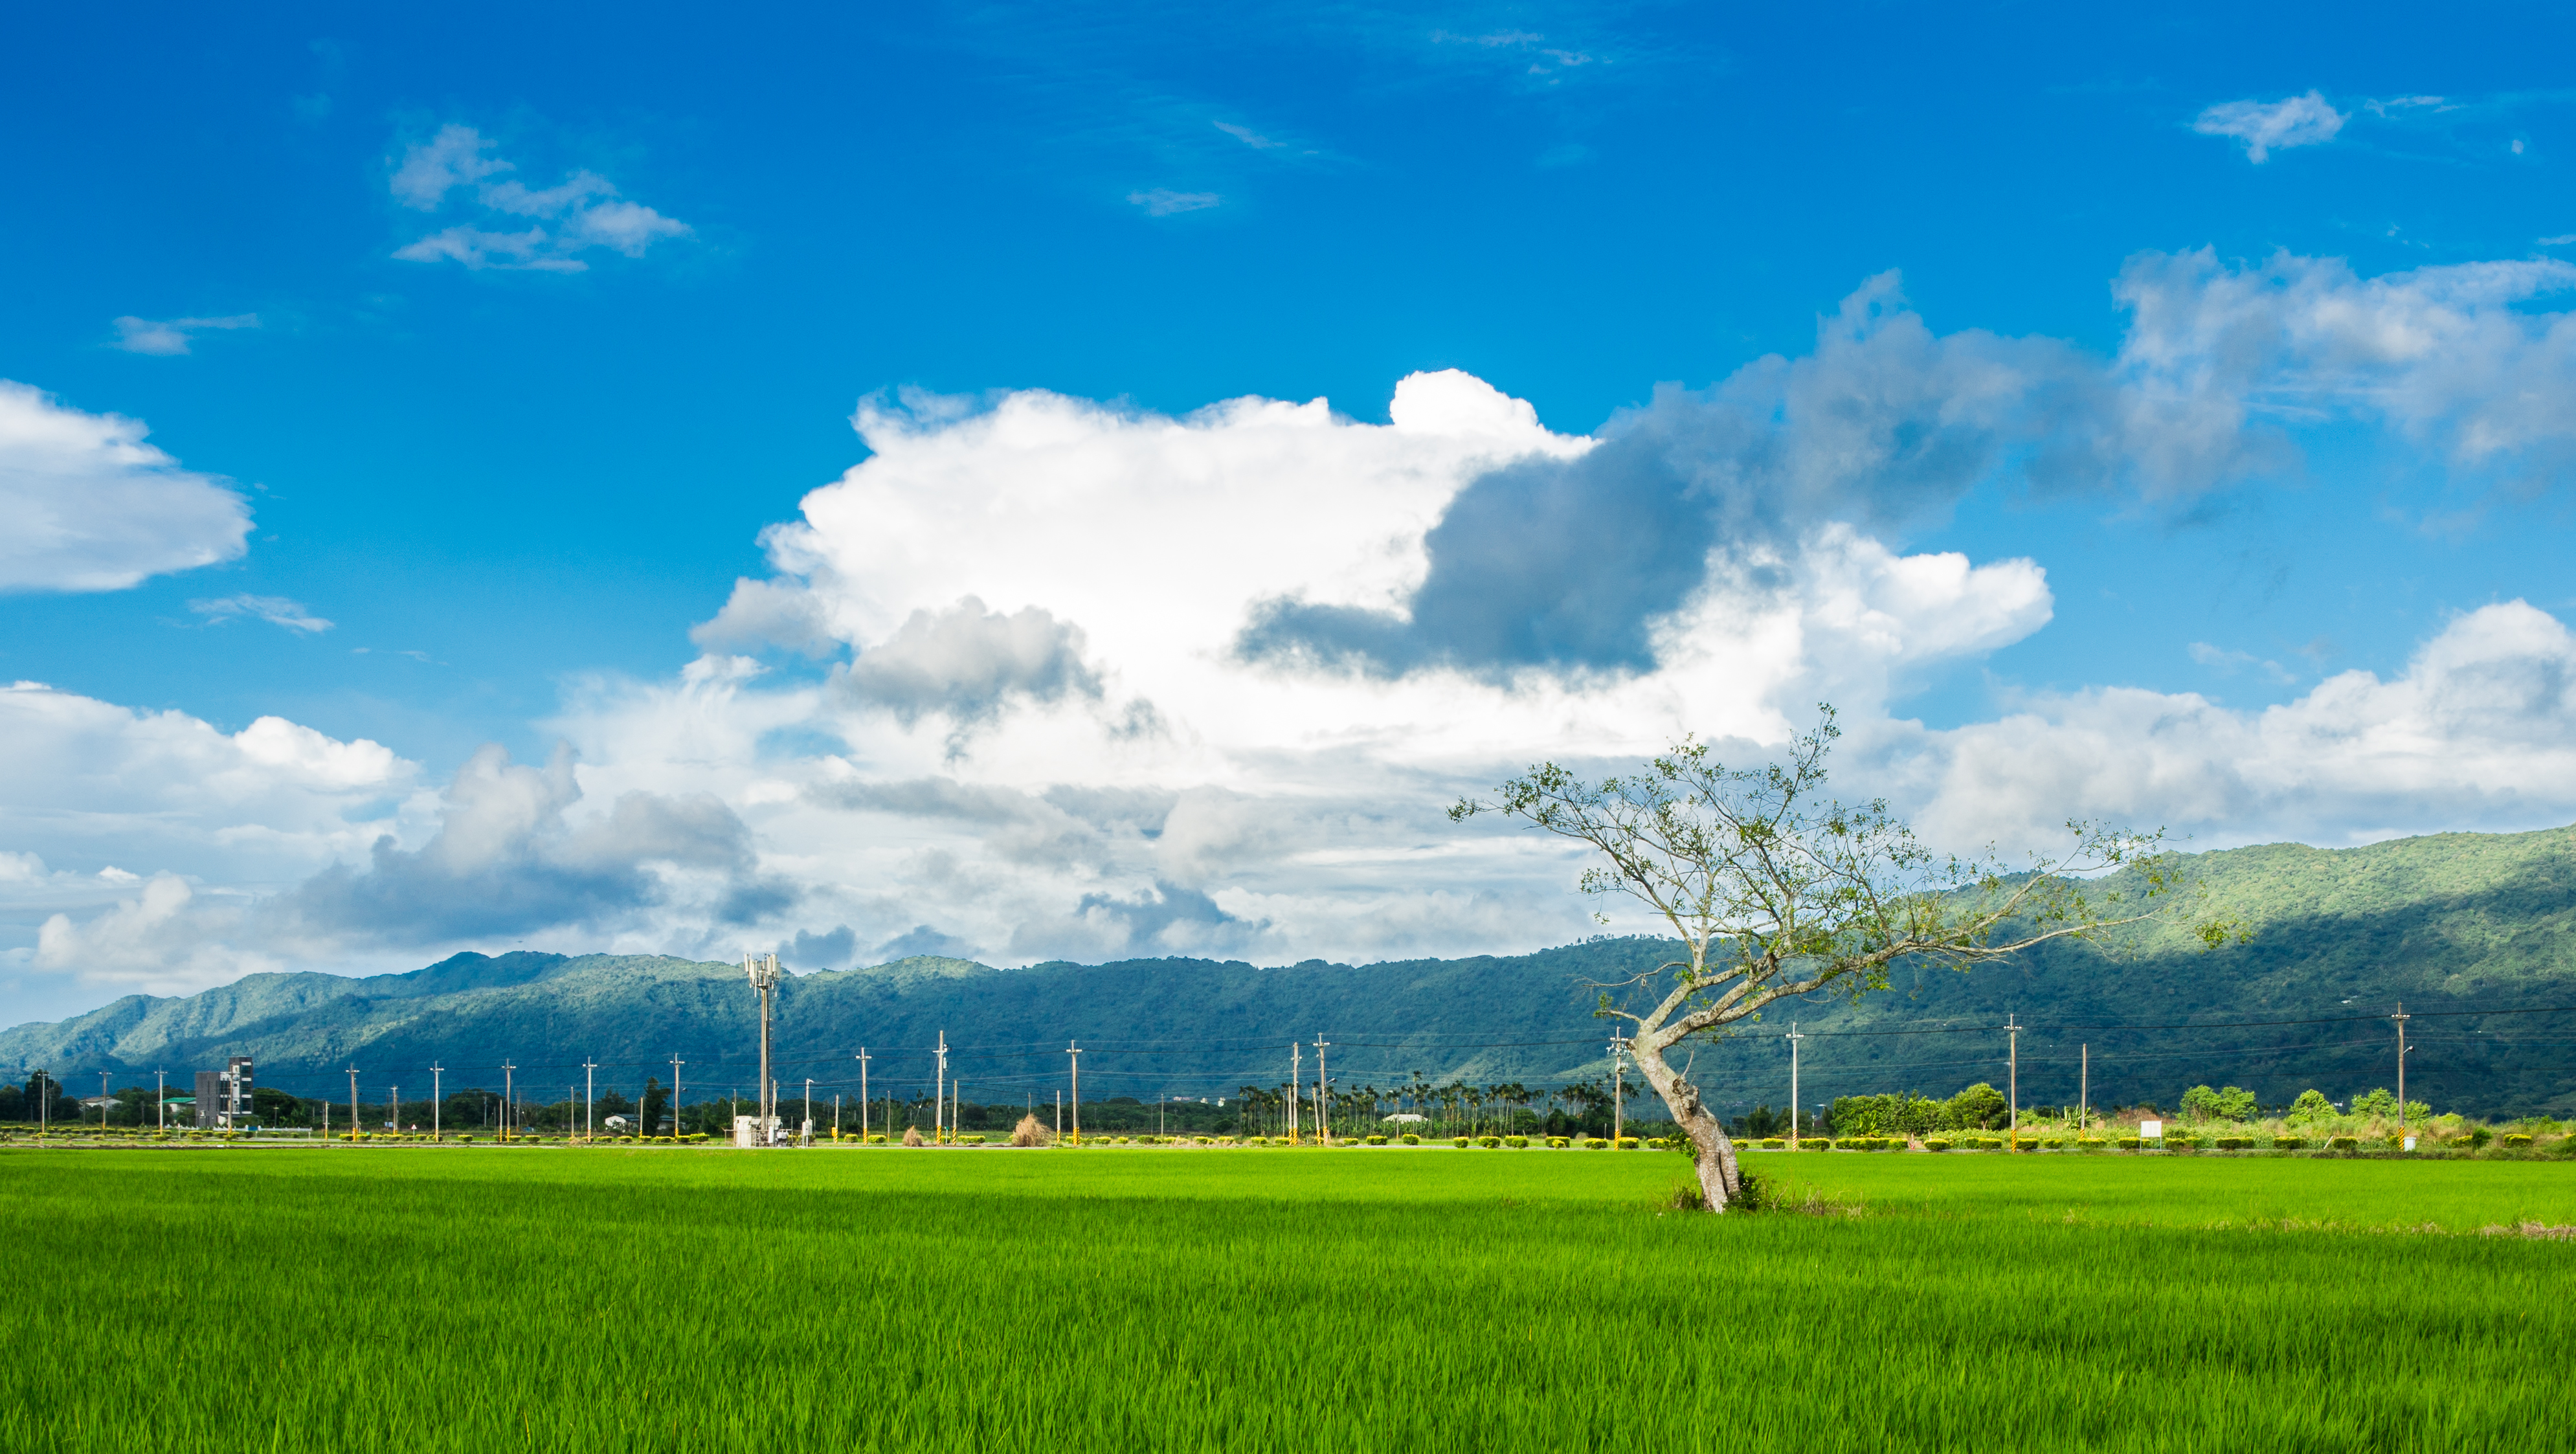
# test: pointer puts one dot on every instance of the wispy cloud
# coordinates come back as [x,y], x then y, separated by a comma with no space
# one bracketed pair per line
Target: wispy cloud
[1544,57]
[275,610]
[2264,126]
[1251,138]
[579,213]
[167,336]
[1163,201]
[2228,663]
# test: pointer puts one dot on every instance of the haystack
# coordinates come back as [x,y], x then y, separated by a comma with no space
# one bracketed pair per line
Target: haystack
[1031,1132]
[912,1136]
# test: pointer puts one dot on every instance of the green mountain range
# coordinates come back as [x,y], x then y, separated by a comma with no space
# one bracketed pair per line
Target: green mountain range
[2460,927]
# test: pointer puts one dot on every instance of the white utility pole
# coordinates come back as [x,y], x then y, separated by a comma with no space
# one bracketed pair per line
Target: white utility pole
[435,1082]
[1059,1113]
[809,1101]
[161,1100]
[1074,1053]
[589,1098]
[1794,1037]
[2401,1017]
[353,1103]
[509,1097]
[1619,1092]
[102,1103]
[762,970]
[1323,1101]
[863,1095]
[2084,1094]
[676,1063]
[2012,1078]
[1296,1091]
[394,1104]
[939,1094]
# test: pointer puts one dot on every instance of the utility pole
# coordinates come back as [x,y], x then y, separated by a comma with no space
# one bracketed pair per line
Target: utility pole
[1323,1101]
[1074,1052]
[2401,1017]
[435,1132]
[809,1101]
[395,1106]
[509,1097]
[762,970]
[863,1095]
[676,1063]
[1794,1037]
[589,1096]
[836,1115]
[353,1103]
[1296,1093]
[161,1100]
[102,1103]
[2012,1079]
[2084,1094]
[1059,1113]
[1619,1090]
[939,1094]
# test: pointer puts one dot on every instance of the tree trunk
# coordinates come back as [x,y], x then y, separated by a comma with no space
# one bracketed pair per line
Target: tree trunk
[1720,1181]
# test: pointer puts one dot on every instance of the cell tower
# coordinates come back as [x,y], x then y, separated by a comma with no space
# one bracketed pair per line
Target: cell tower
[762,970]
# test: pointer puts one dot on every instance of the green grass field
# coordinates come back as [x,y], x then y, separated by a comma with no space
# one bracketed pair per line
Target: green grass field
[482,1299]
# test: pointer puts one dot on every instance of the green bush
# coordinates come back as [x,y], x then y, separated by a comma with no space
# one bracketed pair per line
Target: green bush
[2130,1143]
[2182,1143]
[2288,1143]
[1595,1143]
[1516,1142]
[1629,1143]
[2234,1143]
[1935,1143]
[1460,1142]
[2517,1141]
[2343,1143]
[1770,1143]
[1489,1142]
[1411,1139]
[1376,1139]
[2090,1143]
[1853,1143]
[1557,1142]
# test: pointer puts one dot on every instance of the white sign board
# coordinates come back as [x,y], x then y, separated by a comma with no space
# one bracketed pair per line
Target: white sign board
[2151,1130]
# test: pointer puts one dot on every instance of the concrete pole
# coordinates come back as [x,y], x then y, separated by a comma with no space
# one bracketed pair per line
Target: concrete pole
[1794,1038]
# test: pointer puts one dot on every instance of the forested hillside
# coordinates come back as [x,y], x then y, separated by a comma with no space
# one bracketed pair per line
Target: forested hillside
[2450,924]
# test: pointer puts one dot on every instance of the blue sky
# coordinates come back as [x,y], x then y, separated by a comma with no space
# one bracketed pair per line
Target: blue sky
[512,333]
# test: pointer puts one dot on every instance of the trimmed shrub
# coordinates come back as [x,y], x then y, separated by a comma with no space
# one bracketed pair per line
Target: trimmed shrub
[1458,1141]
[1595,1143]
[1516,1142]
[1935,1143]
[1376,1139]
[2130,1143]
[1555,1142]
[2090,1143]
[2517,1141]
[2288,1143]
[1853,1143]
[2343,1143]
[2234,1143]
[2182,1143]
[1629,1143]
[876,1138]
[1410,1139]
[1489,1142]
[1770,1143]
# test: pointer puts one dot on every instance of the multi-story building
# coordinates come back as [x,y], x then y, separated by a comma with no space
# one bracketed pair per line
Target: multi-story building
[223,1096]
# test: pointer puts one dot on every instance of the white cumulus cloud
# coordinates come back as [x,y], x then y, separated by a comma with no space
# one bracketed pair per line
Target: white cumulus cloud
[91,507]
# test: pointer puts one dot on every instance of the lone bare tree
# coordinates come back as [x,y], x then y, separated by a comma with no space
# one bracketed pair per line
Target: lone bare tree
[1777,891]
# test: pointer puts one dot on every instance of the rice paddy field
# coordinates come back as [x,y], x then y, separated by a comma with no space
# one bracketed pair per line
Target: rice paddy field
[358,1298]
